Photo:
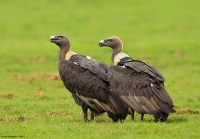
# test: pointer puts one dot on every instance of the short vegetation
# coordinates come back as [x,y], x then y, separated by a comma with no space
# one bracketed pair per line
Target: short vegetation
[33,100]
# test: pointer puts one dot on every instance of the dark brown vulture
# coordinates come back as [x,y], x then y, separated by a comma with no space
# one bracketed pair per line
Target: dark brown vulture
[138,84]
[87,80]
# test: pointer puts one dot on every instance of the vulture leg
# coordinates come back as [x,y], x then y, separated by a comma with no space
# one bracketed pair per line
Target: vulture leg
[91,117]
[85,109]
[156,116]
[162,117]
[142,117]
[132,114]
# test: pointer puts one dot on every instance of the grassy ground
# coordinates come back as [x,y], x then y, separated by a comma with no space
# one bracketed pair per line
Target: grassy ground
[35,104]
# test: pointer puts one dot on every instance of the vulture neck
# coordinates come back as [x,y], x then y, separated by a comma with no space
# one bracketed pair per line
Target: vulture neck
[116,49]
[63,51]
[118,57]
[117,54]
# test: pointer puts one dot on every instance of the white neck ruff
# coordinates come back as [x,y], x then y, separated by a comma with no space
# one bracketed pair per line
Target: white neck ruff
[69,54]
[119,56]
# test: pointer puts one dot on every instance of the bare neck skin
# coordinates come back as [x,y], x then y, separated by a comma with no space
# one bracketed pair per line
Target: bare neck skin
[116,49]
[63,51]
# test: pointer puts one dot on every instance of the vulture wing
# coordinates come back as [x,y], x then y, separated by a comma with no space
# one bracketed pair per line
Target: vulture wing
[140,66]
[98,68]
[82,81]
[139,90]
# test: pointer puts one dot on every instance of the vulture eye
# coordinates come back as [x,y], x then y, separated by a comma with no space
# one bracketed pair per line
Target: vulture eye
[110,40]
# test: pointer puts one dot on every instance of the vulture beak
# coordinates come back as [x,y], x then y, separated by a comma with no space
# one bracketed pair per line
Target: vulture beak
[102,43]
[53,38]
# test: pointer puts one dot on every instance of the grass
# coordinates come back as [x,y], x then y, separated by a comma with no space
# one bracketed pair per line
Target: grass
[35,104]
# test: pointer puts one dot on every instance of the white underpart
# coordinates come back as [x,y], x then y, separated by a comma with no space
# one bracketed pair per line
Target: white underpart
[151,84]
[118,57]
[101,41]
[88,57]
[69,54]
[52,37]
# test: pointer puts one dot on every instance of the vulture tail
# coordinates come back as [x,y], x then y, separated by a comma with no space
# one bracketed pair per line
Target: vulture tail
[121,109]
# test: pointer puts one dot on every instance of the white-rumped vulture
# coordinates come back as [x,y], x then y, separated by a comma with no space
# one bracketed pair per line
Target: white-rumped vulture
[87,80]
[138,84]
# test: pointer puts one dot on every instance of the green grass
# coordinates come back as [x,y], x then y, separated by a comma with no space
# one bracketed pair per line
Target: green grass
[34,105]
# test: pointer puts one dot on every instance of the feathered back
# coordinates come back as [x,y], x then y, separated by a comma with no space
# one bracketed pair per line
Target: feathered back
[98,68]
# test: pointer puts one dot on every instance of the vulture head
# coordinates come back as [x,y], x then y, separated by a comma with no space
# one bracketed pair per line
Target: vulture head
[61,41]
[116,44]
[112,42]
[64,43]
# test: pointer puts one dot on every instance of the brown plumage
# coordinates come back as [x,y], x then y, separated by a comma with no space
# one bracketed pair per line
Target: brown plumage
[138,84]
[87,80]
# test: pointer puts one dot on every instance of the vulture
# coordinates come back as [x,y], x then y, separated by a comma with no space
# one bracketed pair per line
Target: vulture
[137,83]
[87,80]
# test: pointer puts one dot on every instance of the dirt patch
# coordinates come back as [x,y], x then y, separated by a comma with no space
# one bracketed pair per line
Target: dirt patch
[39,59]
[48,114]
[51,76]
[187,111]
[53,114]
[17,76]
[40,93]
[18,119]
[30,78]
[7,96]
[37,116]
[179,54]
[22,77]
[58,113]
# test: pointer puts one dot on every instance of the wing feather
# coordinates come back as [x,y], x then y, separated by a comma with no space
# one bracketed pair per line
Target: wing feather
[138,88]
[140,66]
[92,65]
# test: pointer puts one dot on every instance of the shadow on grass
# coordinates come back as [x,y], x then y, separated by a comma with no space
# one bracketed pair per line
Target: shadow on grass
[103,119]
[181,116]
